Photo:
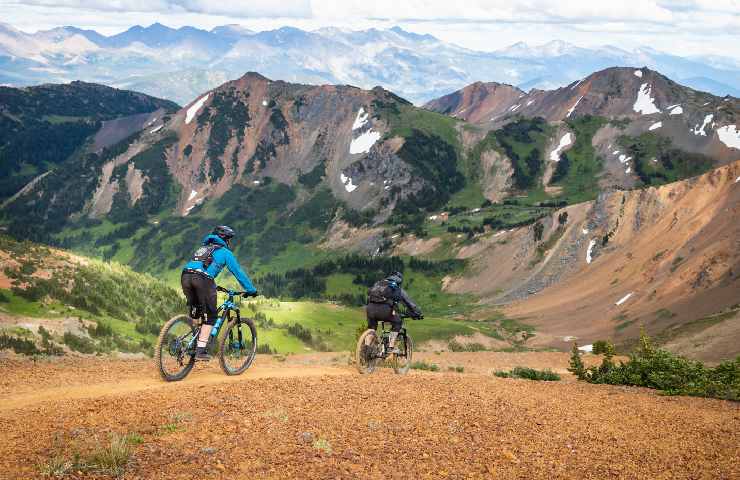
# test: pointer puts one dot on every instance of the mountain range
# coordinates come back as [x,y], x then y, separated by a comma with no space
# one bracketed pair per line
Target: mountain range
[623,184]
[178,64]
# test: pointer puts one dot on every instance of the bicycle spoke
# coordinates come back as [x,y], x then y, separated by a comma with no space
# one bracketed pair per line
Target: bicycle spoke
[175,349]
[238,348]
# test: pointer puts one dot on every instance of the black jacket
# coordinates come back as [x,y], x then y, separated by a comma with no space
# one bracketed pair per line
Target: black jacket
[396,295]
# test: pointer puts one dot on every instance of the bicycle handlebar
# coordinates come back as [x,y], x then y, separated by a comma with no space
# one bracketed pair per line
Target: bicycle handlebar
[235,293]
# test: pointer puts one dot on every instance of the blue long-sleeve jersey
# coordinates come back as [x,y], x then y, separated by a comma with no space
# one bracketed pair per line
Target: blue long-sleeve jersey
[222,257]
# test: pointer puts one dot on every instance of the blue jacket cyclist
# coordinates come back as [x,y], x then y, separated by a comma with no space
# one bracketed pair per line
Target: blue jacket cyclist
[199,285]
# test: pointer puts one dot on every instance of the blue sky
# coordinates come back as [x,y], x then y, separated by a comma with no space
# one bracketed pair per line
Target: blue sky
[684,27]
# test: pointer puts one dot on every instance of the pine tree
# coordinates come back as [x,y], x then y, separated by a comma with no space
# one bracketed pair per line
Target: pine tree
[576,366]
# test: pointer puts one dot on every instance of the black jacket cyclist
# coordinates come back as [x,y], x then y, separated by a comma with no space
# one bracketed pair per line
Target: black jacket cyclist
[382,300]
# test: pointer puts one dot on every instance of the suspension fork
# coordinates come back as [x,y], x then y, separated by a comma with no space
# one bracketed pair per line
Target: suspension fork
[239,330]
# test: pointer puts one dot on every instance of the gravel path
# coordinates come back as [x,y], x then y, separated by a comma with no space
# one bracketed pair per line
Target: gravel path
[291,423]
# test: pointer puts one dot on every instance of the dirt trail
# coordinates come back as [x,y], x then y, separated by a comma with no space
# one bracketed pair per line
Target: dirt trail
[314,417]
[147,382]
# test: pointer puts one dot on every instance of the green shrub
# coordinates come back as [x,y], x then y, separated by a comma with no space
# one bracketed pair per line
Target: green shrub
[529,374]
[18,345]
[265,349]
[456,346]
[660,369]
[576,366]
[102,329]
[422,365]
[603,347]
[78,344]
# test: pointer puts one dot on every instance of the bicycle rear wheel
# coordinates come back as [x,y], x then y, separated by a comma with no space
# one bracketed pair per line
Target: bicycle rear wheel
[174,355]
[238,347]
[402,362]
[366,355]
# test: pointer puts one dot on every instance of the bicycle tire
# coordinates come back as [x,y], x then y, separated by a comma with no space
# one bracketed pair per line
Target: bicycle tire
[409,346]
[365,365]
[162,343]
[227,343]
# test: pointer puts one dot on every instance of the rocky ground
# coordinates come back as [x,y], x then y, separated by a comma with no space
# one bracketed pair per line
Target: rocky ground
[315,417]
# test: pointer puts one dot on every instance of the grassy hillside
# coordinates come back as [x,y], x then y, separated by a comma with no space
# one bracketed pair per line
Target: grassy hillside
[58,302]
[658,162]
[89,305]
[579,166]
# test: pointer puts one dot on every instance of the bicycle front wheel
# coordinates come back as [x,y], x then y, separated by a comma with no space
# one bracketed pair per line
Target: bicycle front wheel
[402,361]
[238,347]
[174,355]
[366,355]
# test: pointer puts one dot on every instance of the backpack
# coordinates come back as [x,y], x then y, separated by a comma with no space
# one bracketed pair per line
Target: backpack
[381,292]
[205,254]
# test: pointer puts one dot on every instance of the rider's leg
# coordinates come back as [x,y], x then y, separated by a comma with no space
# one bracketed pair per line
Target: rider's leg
[395,329]
[207,296]
[374,312]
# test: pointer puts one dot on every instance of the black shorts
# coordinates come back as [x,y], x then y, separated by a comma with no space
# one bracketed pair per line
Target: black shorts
[200,290]
[382,312]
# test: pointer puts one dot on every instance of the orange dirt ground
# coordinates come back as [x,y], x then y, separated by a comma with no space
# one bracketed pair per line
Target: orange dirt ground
[312,416]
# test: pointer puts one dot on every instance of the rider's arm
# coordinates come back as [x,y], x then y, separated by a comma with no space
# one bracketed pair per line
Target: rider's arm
[237,271]
[409,303]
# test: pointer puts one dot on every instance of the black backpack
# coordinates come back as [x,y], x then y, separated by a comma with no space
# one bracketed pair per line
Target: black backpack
[381,292]
[205,254]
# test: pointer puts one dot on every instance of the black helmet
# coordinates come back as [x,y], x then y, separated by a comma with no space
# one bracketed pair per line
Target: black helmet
[224,232]
[395,277]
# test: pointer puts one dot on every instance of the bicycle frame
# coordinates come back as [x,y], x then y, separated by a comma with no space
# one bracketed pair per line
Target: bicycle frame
[385,331]
[229,305]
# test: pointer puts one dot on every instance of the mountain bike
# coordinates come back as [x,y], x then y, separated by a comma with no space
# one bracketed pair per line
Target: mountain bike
[174,355]
[372,349]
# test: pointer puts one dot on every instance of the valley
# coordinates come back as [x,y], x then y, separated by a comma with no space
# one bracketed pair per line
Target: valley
[584,213]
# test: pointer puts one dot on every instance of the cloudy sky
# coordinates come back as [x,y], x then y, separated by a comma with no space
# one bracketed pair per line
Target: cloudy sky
[684,27]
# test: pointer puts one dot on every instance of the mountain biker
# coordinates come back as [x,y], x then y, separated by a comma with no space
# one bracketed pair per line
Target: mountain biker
[382,299]
[198,280]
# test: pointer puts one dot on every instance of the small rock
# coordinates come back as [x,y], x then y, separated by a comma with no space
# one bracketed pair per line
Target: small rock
[306,437]
[209,450]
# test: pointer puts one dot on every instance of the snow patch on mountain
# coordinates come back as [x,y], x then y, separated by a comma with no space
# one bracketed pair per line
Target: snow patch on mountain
[644,103]
[360,119]
[564,142]
[623,299]
[156,129]
[730,136]
[190,114]
[638,73]
[364,142]
[702,130]
[677,110]
[347,182]
[655,126]
[591,246]
[573,108]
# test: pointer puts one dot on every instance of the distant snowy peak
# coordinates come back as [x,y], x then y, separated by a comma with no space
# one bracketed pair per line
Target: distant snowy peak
[555,48]
[180,63]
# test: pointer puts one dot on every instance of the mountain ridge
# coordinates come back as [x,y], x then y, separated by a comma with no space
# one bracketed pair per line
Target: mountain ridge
[326,182]
[418,67]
